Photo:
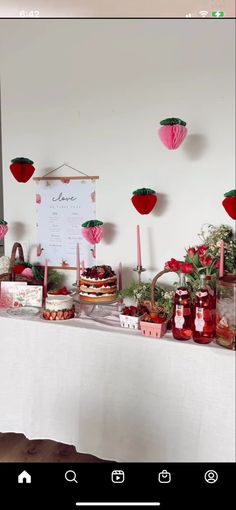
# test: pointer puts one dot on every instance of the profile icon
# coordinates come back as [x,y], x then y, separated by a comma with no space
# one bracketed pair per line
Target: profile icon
[211,476]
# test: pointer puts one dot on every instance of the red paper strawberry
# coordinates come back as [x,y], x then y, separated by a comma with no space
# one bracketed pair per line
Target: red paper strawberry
[144,200]
[18,268]
[229,203]
[22,169]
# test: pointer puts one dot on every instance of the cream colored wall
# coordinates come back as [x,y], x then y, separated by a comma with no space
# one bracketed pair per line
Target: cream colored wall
[91,93]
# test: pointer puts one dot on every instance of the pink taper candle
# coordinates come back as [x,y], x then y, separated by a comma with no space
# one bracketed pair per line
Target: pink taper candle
[83,266]
[221,268]
[139,258]
[45,280]
[120,277]
[77,263]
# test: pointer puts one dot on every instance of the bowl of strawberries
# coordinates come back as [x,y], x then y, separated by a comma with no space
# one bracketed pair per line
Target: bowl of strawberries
[63,291]
[154,324]
[131,316]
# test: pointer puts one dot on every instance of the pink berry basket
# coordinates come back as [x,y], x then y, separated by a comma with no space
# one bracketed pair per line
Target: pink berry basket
[152,329]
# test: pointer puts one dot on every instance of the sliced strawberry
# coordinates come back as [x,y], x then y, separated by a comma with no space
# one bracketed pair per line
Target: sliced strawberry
[53,316]
[59,314]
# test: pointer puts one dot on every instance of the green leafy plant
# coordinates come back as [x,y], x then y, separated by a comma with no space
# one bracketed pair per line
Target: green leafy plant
[212,237]
[55,279]
[164,298]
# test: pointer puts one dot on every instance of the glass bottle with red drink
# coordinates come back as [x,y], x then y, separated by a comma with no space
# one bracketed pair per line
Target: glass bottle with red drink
[203,316]
[182,317]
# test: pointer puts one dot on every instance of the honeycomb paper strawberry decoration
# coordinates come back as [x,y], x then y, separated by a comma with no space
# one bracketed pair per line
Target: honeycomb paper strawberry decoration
[3,228]
[144,200]
[92,231]
[22,169]
[172,132]
[229,203]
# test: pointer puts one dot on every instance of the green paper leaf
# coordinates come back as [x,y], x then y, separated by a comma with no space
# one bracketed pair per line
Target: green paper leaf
[19,262]
[38,272]
[2,222]
[231,193]
[92,223]
[172,121]
[144,191]
[22,160]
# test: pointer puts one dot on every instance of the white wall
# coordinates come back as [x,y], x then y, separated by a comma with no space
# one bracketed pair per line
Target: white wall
[91,93]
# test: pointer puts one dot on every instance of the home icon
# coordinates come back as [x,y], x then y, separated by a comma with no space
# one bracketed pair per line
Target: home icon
[24,477]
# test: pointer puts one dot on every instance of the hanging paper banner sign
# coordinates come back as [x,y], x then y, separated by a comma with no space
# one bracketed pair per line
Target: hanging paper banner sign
[62,205]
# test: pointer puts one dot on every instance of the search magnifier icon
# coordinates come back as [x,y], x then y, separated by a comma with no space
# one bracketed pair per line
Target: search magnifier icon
[70,476]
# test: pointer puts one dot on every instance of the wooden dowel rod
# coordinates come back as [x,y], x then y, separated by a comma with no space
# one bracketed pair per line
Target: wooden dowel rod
[65,177]
[63,267]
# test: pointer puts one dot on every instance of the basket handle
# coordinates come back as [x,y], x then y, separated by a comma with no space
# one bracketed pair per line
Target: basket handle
[154,283]
[16,246]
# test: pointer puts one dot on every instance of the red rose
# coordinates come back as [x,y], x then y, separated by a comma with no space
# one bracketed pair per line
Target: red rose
[172,264]
[217,264]
[186,267]
[201,249]
[191,252]
[206,261]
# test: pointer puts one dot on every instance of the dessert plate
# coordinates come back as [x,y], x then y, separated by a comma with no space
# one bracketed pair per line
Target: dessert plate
[24,311]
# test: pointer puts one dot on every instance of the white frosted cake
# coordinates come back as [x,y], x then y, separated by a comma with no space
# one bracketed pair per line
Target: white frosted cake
[58,308]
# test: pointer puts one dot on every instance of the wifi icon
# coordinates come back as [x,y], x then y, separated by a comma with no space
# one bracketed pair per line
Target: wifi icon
[203,13]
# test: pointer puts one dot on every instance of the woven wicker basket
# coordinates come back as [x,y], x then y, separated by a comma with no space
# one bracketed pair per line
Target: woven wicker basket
[152,305]
[11,276]
[151,329]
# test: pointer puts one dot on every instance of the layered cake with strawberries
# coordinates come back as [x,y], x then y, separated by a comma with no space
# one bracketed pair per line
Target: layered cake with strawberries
[58,307]
[98,284]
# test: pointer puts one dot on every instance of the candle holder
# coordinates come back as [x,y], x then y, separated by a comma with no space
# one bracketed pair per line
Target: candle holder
[139,270]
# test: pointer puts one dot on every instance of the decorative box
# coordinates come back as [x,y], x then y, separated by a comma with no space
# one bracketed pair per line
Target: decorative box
[153,329]
[129,321]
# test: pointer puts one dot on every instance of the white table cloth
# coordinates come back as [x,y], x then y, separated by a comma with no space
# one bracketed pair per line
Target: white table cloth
[115,394]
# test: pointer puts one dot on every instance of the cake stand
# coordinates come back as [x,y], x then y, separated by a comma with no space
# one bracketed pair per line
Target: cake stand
[94,309]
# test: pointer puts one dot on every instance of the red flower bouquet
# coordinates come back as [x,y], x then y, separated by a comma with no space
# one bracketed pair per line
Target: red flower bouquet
[204,258]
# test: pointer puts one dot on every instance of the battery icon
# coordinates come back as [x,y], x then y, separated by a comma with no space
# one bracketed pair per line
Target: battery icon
[218,14]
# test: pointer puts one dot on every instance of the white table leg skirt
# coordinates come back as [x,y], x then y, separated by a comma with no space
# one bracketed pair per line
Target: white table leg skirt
[114,395]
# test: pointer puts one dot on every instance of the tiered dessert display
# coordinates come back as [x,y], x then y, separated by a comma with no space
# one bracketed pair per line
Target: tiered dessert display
[98,284]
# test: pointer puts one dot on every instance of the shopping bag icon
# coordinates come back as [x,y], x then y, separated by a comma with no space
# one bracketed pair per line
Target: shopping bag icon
[164,476]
